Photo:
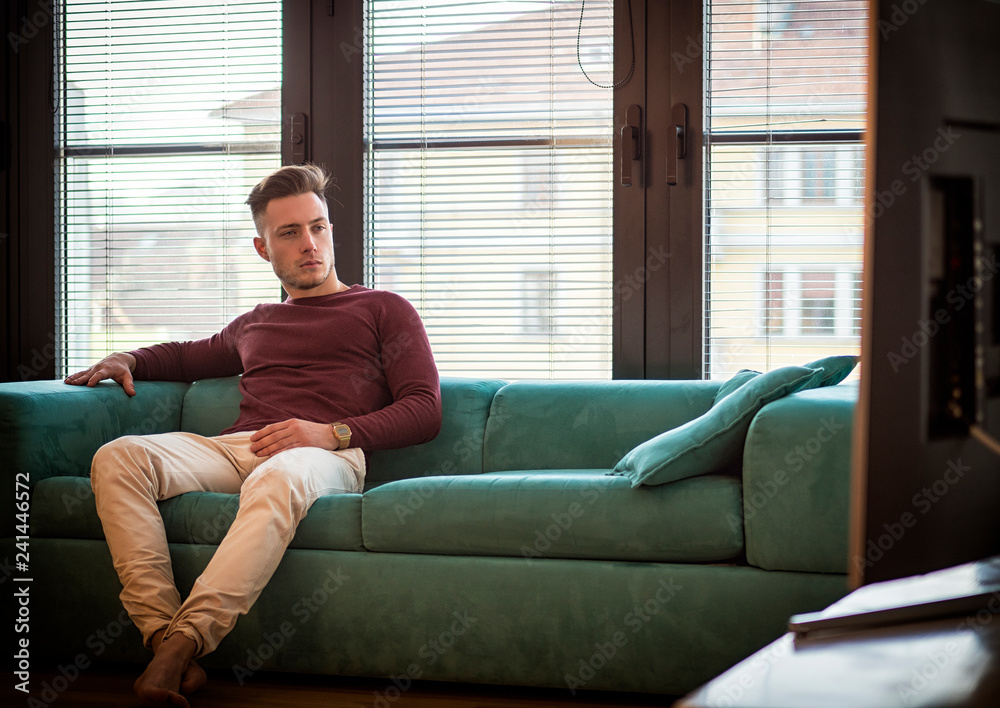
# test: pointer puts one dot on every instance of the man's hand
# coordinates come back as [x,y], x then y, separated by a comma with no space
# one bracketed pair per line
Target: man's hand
[292,433]
[117,367]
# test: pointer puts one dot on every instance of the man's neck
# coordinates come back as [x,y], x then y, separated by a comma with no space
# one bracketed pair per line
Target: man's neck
[330,287]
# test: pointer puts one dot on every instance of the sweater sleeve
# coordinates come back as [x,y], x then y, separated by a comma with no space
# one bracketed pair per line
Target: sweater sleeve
[213,357]
[414,416]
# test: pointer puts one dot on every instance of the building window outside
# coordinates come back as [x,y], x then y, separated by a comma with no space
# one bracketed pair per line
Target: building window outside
[536,290]
[802,305]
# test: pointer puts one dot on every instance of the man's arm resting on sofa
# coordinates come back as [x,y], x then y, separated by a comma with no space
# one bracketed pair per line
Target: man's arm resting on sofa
[117,367]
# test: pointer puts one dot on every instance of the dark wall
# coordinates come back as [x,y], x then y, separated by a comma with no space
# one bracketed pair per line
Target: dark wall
[27,176]
[927,494]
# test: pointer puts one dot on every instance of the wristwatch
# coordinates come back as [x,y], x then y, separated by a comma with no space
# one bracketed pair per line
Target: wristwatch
[343,434]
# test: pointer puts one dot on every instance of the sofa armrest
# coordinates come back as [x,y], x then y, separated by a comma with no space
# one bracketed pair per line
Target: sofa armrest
[796,481]
[51,429]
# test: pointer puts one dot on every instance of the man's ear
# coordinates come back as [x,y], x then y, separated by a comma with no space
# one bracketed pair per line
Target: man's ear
[261,247]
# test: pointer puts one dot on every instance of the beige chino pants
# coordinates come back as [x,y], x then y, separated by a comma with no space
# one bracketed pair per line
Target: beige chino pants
[130,474]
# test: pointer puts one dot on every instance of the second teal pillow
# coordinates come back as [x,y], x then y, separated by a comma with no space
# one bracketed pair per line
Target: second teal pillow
[742,376]
[715,439]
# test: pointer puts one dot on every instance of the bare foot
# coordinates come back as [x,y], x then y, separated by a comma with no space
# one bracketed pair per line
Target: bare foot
[193,678]
[160,683]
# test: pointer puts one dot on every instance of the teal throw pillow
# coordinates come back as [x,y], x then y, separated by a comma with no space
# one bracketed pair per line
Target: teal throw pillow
[834,369]
[741,377]
[712,441]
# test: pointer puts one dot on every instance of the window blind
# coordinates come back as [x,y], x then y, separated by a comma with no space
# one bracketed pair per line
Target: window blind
[488,180]
[786,98]
[169,113]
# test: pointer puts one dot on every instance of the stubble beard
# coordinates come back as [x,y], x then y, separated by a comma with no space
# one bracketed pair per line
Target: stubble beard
[289,279]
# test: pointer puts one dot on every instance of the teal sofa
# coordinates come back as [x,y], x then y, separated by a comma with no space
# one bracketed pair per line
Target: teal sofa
[502,552]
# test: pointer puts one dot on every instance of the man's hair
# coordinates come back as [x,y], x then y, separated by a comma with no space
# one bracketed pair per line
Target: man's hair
[288,181]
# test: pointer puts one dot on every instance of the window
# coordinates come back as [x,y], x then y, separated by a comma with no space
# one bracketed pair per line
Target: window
[488,180]
[169,113]
[803,305]
[774,303]
[785,109]
[486,159]
[819,304]
[537,287]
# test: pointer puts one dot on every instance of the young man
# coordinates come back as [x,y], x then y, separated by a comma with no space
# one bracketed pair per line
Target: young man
[327,375]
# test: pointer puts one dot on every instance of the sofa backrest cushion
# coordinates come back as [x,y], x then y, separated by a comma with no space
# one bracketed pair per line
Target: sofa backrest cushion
[458,448]
[536,425]
[211,406]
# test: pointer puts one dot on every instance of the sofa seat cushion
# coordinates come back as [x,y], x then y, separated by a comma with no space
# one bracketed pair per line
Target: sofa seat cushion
[578,513]
[63,507]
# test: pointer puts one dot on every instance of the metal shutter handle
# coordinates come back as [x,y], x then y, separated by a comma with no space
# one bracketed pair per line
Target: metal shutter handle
[677,146]
[630,149]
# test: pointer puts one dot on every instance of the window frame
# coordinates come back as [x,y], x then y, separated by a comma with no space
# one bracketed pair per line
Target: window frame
[658,250]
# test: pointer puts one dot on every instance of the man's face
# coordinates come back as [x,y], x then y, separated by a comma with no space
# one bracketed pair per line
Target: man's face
[298,243]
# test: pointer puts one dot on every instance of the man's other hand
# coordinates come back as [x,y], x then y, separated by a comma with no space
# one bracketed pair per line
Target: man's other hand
[292,433]
[117,367]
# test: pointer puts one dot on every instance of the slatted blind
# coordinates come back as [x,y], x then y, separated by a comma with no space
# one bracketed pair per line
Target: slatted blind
[786,103]
[488,180]
[169,113]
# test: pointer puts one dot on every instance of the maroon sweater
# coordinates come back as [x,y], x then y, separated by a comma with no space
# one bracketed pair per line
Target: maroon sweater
[359,357]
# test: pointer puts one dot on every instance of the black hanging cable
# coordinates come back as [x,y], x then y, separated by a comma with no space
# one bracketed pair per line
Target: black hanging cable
[631,34]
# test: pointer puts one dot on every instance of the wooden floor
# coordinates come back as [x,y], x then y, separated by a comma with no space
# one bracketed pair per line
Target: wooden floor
[111,687]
